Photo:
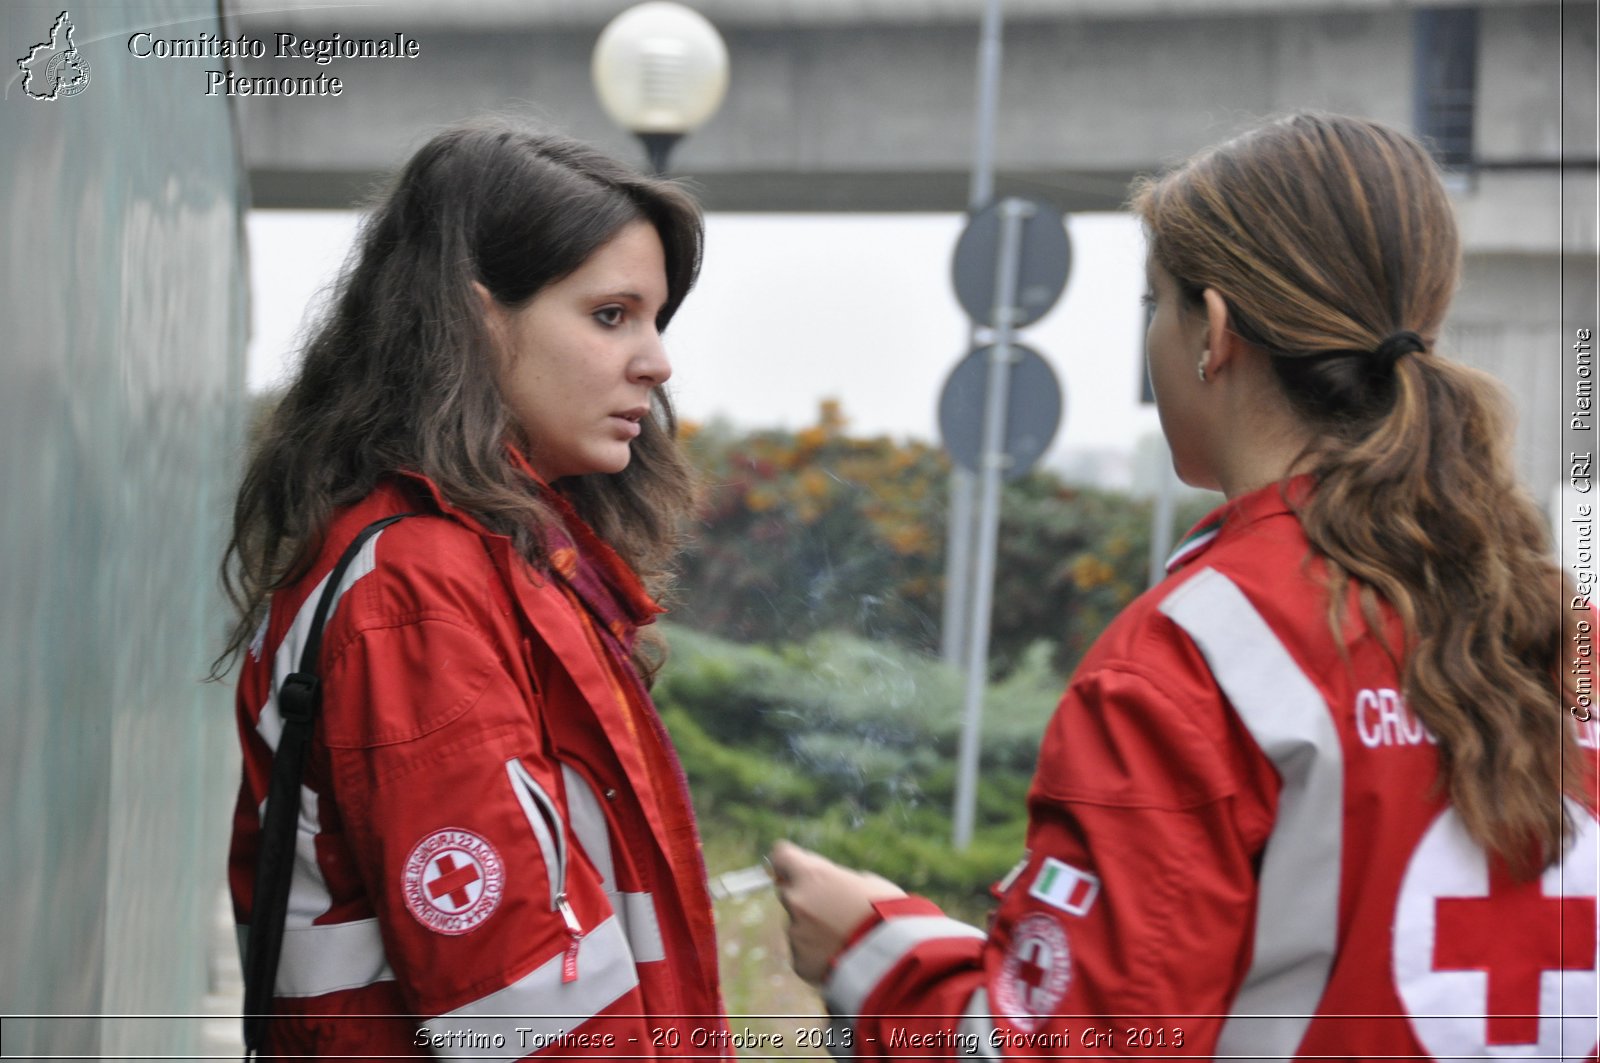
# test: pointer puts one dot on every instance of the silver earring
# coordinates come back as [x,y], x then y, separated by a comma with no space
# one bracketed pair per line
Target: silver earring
[1202,368]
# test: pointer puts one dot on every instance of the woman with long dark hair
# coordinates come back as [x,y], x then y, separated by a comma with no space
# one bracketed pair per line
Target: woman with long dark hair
[495,852]
[1318,793]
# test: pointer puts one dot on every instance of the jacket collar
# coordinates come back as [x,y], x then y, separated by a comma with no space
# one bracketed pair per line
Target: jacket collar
[1285,496]
[455,512]
[597,573]
[443,504]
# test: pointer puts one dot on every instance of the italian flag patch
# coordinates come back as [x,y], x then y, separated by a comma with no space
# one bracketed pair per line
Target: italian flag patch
[1063,886]
[1199,537]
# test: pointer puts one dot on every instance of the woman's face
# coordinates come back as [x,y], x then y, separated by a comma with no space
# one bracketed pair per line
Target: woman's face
[579,360]
[1175,344]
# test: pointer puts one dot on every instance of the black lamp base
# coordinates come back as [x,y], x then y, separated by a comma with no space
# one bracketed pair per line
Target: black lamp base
[659,146]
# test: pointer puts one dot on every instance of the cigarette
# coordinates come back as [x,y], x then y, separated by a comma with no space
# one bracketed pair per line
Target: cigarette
[741,883]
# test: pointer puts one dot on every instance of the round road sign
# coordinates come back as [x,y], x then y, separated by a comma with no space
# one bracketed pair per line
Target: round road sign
[1042,267]
[1033,410]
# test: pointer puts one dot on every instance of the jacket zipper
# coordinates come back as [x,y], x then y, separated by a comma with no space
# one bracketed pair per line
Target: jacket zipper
[549,830]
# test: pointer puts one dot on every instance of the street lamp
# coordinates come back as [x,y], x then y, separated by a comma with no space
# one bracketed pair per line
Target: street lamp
[660,70]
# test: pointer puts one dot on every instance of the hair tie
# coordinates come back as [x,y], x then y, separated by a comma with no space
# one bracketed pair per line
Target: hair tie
[1397,345]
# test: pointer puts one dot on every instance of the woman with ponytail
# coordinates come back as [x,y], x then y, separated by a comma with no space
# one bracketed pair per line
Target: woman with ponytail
[1319,792]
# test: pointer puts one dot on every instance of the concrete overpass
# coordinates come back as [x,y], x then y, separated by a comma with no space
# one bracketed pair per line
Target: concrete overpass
[867,105]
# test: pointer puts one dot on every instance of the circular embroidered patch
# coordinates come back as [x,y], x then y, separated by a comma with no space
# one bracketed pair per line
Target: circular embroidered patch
[1477,977]
[1034,976]
[453,880]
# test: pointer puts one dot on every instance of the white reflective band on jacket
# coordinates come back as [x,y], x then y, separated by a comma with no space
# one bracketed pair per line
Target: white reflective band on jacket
[636,911]
[317,959]
[1297,906]
[544,820]
[287,659]
[325,959]
[863,965]
[540,1007]
[977,1024]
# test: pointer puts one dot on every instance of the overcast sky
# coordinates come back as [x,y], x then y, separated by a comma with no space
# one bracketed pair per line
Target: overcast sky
[793,309]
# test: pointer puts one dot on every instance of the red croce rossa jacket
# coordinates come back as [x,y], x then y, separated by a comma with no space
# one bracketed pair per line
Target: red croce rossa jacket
[1237,849]
[497,855]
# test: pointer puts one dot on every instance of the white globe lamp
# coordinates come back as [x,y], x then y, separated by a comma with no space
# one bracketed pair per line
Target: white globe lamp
[661,70]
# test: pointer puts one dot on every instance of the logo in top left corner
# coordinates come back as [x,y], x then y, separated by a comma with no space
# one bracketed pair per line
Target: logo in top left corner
[55,68]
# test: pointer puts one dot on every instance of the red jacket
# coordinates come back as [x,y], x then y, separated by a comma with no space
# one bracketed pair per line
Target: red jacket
[1236,848]
[497,854]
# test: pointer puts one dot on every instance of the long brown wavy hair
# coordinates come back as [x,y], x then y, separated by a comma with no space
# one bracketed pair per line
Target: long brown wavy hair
[399,373]
[1327,236]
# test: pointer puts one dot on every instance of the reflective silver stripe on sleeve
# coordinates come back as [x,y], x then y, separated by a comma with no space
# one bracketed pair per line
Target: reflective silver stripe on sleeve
[1297,909]
[287,658]
[323,959]
[977,1024]
[538,1008]
[308,891]
[637,911]
[588,822]
[545,822]
[863,965]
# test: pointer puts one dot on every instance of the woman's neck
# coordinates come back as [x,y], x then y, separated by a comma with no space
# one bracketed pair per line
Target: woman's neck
[1265,444]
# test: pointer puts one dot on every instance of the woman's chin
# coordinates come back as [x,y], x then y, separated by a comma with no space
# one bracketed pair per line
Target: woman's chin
[612,463]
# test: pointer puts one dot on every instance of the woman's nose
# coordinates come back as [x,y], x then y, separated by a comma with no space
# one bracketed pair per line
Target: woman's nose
[651,365]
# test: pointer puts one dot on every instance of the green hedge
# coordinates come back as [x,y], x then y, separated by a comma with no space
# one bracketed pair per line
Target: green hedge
[848,747]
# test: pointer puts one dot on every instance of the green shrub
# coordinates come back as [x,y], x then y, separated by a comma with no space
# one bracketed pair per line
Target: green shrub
[848,747]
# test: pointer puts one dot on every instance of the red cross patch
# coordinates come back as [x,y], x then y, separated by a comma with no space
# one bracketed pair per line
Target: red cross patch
[1488,966]
[1034,976]
[452,881]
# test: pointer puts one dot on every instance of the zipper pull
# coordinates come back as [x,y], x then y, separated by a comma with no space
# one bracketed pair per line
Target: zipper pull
[569,962]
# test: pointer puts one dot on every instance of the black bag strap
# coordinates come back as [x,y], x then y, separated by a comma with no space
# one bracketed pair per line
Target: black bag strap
[299,701]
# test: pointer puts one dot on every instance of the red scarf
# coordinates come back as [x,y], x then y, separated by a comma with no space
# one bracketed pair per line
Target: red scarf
[614,603]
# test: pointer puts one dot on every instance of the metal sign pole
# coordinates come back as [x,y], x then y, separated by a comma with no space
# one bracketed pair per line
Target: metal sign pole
[1161,520]
[957,566]
[958,574]
[1013,212]
[988,103]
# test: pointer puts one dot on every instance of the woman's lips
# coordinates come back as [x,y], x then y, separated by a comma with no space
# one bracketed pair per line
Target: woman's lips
[628,421]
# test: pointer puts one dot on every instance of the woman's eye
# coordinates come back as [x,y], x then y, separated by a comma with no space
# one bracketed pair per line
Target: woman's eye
[1148,299]
[609,316]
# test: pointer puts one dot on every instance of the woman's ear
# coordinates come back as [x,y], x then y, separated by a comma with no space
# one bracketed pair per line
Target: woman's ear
[486,300]
[493,312]
[1222,343]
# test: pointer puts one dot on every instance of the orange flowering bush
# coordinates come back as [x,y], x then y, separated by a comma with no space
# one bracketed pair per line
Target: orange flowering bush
[818,530]
[805,531]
